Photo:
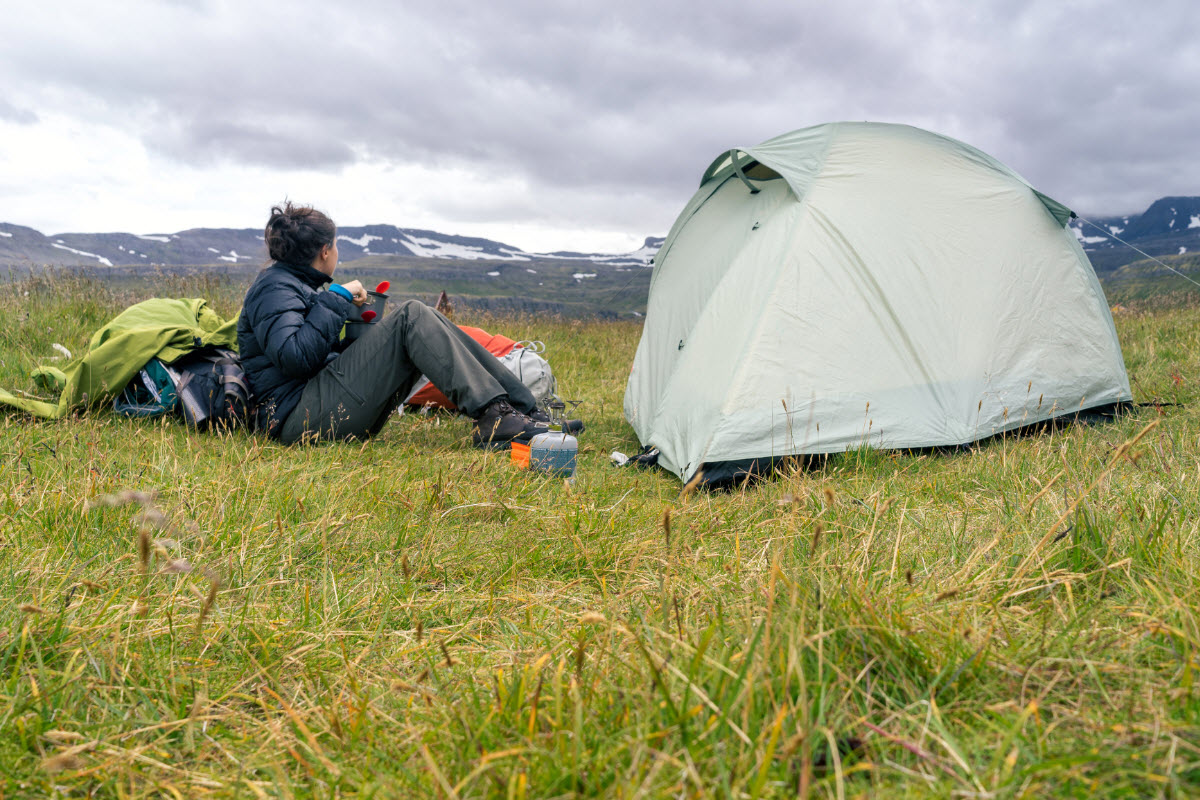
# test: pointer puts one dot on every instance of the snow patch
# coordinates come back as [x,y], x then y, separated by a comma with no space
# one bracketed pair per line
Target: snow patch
[1182,250]
[494,274]
[432,248]
[564,257]
[531,271]
[642,257]
[581,275]
[1115,231]
[7,235]
[644,254]
[231,258]
[141,255]
[1171,224]
[213,250]
[361,241]
[1195,223]
[101,259]
[121,247]
[156,238]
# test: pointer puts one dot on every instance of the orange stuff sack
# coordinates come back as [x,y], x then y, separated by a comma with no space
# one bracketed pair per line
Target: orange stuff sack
[519,455]
[426,394]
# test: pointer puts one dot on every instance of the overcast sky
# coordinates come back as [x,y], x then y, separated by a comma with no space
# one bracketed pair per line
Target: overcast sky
[559,125]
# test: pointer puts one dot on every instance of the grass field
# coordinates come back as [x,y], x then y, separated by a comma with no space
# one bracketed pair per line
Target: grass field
[189,615]
[1167,282]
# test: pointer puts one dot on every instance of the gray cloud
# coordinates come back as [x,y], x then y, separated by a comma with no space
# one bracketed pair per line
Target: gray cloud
[205,141]
[591,103]
[21,116]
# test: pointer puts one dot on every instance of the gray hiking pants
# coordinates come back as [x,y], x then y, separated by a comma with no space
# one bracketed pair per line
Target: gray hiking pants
[354,396]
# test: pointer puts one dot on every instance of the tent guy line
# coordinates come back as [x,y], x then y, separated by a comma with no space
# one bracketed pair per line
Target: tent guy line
[1141,252]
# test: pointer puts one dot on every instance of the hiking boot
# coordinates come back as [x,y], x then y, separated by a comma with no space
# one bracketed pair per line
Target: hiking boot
[500,424]
[571,426]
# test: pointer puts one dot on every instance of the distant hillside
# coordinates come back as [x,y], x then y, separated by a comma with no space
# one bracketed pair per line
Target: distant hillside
[21,246]
[1169,227]
[1148,284]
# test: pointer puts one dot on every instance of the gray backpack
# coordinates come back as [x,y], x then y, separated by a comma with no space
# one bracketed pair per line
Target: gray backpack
[525,361]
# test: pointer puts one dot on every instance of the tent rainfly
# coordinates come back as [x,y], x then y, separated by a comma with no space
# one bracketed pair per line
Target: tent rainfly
[864,285]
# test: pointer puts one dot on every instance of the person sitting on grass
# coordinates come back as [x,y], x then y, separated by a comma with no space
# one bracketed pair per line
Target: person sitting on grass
[308,385]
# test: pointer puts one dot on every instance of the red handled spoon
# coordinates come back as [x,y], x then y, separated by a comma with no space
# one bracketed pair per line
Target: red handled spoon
[383,287]
[369,315]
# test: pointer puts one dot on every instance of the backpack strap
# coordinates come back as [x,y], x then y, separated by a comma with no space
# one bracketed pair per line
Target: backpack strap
[237,380]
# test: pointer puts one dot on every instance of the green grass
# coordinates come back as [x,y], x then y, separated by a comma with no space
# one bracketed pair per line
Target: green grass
[415,618]
[1147,285]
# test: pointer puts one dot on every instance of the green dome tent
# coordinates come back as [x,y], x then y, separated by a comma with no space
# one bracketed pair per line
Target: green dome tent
[864,284]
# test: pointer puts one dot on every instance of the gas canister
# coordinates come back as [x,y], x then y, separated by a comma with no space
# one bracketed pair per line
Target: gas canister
[554,452]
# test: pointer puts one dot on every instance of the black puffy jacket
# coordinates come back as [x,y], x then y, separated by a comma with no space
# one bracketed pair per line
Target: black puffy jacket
[287,333]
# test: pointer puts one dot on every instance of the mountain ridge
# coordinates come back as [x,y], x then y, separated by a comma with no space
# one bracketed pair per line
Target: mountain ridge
[24,246]
[1169,226]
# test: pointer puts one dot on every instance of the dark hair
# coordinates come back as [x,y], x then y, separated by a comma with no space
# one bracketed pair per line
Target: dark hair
[296,234]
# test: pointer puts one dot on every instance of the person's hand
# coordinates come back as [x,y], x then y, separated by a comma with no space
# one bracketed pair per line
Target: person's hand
[358,292]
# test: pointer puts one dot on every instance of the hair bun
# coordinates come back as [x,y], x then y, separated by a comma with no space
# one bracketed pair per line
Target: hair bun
[296,234]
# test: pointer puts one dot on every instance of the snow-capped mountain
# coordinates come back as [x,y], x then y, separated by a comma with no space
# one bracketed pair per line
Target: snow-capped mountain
[22,246]
[1169,227]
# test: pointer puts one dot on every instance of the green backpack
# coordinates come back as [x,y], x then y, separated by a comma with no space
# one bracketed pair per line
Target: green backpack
[152,392]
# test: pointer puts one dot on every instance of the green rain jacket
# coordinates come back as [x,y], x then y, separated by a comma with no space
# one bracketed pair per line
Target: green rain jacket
[158,328]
